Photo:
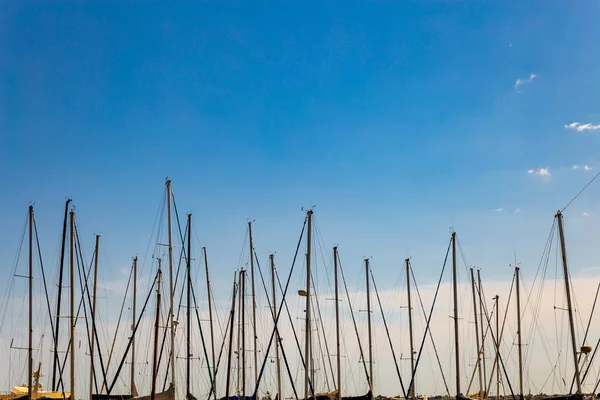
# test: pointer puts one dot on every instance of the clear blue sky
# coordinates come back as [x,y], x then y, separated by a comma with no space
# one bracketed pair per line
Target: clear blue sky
[397,120]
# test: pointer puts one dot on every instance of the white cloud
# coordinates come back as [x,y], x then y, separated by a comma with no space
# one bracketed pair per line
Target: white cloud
[517,210]
[543,172]
[579,127]
[520,82]
[585,214]
[581,167]
[499,209]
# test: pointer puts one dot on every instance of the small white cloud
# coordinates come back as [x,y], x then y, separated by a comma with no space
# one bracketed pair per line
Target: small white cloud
[543,172]
[579,127]
[499,209]
[585,214]
[576,167]
[517,210]
[520,82]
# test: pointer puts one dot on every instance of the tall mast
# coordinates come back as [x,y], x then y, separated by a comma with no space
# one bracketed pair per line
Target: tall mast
[30,330]
[243,315]
[171,280]
[134,317]
[568,292]
[455,289]
[277,342]
[210,316]
[497,362]
[72,290]
[231,323]
[307,350]
[238,352]
[254,350]
[156,326]
[369,327]
[337,324]
[480,290]
[411,395]
[519,343]
[189,306]
[94,314]
[478,364]
[58,301]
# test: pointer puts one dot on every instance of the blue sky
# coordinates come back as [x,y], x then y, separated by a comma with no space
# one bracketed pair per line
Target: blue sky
[398,120]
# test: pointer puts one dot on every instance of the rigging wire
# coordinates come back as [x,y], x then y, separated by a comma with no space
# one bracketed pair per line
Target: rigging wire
[39,251]
[580,192]
[318,307]
[362,354]
[11,285]
[275,321]
[584,338]
[279,314]
[496,341]
[388,334]
[429,331]
[118,323]
[137,324]
[87,290]
[412,379]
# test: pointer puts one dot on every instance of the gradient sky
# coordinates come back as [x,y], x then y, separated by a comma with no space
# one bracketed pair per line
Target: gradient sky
[398,120]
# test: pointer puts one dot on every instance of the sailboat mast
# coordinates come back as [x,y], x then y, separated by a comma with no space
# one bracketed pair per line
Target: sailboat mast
[337,324]
[72,301]
[478,364]
[519,342]
[455,291]
[243,315]
[171,280]
[497,362]
[156,326]
[30,330]
[569,303]
[411,395]
[210,316]
[58,301]
[254,349]
[369,327]
[189,306]
[94,314]
[231,323]
[307,350]
[133,318]
[278,341]
[482,330]
[238,352]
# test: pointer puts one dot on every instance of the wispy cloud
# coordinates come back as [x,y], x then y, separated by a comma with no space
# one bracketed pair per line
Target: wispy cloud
[520,82]
[585,214]
[498,209]
[581,167]
[579,127]
[517,210]
[543,172]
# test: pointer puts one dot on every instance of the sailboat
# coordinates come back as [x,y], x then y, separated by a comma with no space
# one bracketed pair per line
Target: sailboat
[578,395]
[38,392]
[32,389]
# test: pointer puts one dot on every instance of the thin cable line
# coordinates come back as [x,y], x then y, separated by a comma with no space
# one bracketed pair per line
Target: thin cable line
[581,191]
